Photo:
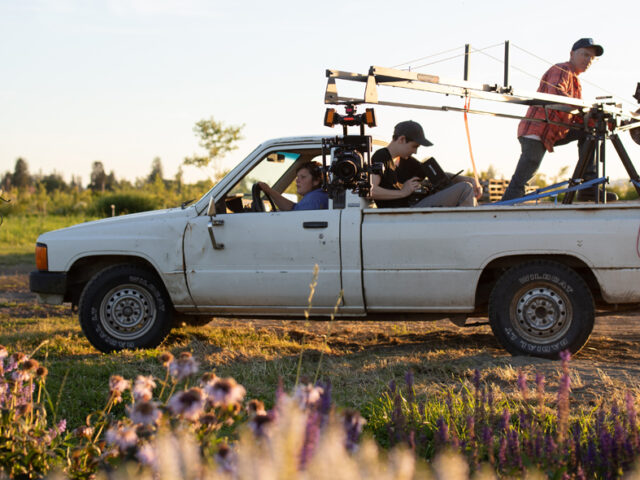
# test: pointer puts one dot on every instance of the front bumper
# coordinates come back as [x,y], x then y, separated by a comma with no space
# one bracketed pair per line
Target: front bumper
[49,286]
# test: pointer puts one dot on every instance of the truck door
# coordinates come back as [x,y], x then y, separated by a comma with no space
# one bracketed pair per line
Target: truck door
[267,260]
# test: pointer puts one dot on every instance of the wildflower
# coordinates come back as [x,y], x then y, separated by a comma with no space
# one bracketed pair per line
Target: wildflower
[20,376]
[563,406]
[353,424]
[311,437]
[408,378]
[146,455]
[3,352]
[225,392]
[122,437]
[260,422]
[442,434]
[325,402]
[189,404]
[255,407]
[15,359]
[83,431]
[392,386]
[144,413]
[182,367]
[29,365]
[42,372]
[208,378]
[61,426]
[522,385]
[308,395]
[117,386]
[165,358]
[143,388]
[226,460]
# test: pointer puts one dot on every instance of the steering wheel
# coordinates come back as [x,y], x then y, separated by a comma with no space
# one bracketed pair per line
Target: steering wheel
[257,205]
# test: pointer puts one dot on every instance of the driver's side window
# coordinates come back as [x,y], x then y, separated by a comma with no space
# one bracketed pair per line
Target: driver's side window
[274,168]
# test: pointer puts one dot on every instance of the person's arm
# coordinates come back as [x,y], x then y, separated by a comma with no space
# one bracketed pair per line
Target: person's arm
[380,193]
[477,187]
[281,202]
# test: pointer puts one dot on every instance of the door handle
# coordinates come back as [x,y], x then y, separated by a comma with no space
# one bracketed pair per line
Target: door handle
[315,224]
[214,223]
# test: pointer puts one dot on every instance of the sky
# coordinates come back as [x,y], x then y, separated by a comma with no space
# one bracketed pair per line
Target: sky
[123,82]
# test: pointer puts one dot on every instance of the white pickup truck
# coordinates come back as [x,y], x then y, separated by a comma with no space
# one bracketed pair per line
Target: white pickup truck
[537,271]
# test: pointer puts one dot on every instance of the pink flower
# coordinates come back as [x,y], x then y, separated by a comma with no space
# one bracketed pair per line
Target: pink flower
[145,413]
[225,392]
[147,455]
[188,404]
[307,395]
[117,384]
[122,437]
[143,388]
[184,366]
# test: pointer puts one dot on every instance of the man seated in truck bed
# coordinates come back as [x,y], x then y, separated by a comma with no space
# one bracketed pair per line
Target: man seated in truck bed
[389,192]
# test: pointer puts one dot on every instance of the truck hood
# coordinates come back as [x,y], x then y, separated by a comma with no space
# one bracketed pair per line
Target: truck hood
[148,234]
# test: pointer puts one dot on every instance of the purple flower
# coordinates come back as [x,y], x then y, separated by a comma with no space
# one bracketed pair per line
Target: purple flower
[353,424]
[325,401]
[565,357]
[502,452]
[182,367]
[442,435]
[144,413]
[308,395]
[408,378]
[143,388]
[188,404]
[522,385]
[311,437]
[224,392]
[392,386]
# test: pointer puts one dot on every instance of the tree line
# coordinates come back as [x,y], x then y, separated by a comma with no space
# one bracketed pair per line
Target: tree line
[216,138]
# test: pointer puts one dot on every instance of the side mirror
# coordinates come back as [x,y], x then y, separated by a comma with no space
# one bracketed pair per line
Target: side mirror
[211,209]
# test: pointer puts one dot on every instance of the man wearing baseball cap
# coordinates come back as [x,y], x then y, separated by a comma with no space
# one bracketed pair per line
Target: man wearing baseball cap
[536,138]
[391,190]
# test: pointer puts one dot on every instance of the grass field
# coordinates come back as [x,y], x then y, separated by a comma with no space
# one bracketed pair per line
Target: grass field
[18,234]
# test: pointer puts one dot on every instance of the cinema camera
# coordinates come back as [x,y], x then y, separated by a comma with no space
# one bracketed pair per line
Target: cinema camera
[349,165]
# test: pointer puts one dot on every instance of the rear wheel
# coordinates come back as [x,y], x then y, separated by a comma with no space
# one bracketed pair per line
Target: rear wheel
[125,306]
[541,308]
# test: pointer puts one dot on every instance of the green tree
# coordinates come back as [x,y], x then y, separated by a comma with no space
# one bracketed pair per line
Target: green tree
[98,177]
[156,170]
[216,138]
[21,177]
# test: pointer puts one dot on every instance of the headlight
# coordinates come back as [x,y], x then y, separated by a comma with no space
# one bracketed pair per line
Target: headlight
[42,261]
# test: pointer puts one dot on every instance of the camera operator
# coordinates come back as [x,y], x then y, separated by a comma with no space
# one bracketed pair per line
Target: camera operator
[389,192]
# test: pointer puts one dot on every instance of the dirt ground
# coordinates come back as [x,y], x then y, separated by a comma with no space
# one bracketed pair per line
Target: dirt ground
[610,360]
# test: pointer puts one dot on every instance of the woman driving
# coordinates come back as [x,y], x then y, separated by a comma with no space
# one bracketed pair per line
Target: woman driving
[308,185]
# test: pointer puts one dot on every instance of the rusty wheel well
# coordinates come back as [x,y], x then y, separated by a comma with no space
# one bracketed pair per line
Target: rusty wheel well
[497,267]
[85,268]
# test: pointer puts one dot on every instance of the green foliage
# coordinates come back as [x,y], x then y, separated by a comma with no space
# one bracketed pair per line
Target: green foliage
[123,203]
[216,138]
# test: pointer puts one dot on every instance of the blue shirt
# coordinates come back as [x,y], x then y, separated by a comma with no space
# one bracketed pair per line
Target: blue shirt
[315,200]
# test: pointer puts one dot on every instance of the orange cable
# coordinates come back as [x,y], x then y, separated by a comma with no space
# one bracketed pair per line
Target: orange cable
[467,101]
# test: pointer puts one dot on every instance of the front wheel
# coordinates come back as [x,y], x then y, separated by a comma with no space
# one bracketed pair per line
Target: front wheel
[541,308]
[124,306]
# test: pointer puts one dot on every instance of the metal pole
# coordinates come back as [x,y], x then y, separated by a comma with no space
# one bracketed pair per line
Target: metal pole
[506,63]
[467,47]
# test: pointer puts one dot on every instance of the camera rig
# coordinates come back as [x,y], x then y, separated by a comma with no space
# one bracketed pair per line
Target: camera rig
[346,160]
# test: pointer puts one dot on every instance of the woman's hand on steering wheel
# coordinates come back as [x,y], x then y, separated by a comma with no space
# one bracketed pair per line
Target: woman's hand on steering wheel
[257,205]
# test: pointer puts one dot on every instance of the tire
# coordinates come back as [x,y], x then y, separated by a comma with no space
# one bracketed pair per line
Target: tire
[124,306]
[541,308]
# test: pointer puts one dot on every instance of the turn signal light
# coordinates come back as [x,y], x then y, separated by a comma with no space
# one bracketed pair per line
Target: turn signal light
[42,261]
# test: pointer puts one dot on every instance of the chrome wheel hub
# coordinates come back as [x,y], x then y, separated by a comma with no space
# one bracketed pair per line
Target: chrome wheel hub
[541,313]
[127,312]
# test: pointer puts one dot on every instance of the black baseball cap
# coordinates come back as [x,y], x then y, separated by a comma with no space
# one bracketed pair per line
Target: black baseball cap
[411,130]
[586,43]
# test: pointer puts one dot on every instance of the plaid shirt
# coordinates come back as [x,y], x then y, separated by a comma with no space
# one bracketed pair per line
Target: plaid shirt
[560,79]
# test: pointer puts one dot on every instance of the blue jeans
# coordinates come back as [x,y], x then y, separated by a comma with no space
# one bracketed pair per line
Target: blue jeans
[531,157]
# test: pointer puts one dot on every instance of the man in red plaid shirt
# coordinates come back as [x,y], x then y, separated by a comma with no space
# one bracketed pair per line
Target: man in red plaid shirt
[536,138]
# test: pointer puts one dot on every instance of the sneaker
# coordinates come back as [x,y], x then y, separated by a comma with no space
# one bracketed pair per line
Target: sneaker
[589,195]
